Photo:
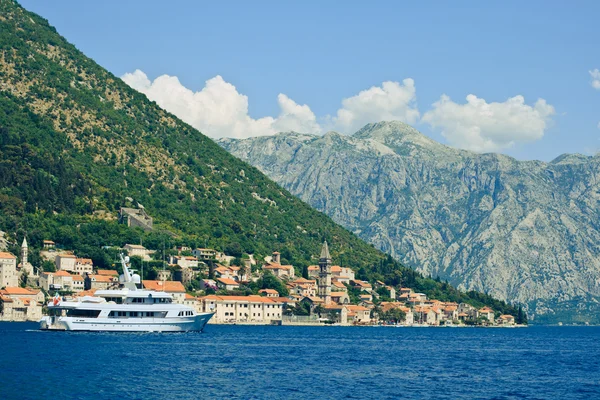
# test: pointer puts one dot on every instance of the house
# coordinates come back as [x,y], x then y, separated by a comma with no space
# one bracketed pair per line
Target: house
[48,244]
[268,292]
[486,313]
[65,262]
[362,285]
[417,298]
[338,286]
[242,309]
[163,275]
[83,266]
[366,297]
[359,314]
[313,302]
[175,288]
[59,280]
[227,284]
[337,313]
[205,254]
[21,304]
[426,315]
[280,271]
[408,313]
[392,291]
[303,287]
[464,308]
[506,320]
[8,270]
[139,251]
[191,301]
[451,311]
[185,261]
[342,274]
[340,297]
[224,272]
[313,271]
[100,282]
[78,283]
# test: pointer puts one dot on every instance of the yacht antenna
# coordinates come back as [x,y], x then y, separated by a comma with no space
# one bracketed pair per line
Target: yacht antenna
[127,278]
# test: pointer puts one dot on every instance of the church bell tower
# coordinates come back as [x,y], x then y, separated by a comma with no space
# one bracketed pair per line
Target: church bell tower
[325,274]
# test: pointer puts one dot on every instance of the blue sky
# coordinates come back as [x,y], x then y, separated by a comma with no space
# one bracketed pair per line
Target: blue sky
[318,54]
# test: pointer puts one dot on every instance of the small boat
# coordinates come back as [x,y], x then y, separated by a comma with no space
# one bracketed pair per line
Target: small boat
[128,309]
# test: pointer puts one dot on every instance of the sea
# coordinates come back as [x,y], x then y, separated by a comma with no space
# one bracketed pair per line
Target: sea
[294,362]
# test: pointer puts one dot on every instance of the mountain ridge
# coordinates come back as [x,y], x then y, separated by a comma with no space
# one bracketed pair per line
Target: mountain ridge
[524,231]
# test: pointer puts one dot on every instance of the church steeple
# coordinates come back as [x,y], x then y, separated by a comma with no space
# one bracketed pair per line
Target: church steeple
[24,252]
[325,252]
[325,274]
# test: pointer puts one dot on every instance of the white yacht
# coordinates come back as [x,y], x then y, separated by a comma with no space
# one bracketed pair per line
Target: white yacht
[125,310]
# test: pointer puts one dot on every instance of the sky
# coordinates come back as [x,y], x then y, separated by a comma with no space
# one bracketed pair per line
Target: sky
[521,78]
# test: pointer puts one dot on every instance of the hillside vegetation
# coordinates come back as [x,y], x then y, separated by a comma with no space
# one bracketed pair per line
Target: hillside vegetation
[76,142]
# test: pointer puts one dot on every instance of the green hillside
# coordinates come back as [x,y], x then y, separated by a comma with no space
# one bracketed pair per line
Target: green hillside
[76,142]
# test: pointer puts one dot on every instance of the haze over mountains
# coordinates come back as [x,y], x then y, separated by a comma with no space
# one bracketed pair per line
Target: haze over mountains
[525,231]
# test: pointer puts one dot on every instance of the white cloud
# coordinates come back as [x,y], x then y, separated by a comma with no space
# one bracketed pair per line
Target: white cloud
[390,101]
[595,78]
[219,110]
[485,127]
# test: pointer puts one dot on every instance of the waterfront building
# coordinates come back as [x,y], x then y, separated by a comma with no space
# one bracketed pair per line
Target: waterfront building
[242,309]
[8,270]
[21,304]
[486,313]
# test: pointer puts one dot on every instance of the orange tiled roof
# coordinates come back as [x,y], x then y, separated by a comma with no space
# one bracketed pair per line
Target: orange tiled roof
[4,254]
[62,273]
[12,290]
[101,278]
[227,281]
[268,291]
[107,272]
[164,286]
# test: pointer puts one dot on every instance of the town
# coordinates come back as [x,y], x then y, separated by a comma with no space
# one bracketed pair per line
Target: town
[254,292]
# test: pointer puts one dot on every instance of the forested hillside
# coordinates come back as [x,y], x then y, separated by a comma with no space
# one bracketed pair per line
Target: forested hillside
[76,142]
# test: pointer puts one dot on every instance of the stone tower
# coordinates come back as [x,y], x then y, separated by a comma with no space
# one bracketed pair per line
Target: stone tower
[24,252]
[25,265]
[325,274]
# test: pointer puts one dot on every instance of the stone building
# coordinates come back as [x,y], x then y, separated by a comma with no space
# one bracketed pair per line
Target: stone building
[21,304]
[324,291]
[135,217]
[242,309]
[8,270]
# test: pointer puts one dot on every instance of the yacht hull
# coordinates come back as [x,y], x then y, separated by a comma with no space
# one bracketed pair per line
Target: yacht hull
[173,324]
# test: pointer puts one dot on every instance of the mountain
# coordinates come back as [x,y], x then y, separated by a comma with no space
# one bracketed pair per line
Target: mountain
[523,231]
[77,144]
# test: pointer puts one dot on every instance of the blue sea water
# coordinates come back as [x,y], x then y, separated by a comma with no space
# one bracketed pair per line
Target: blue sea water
[254,362]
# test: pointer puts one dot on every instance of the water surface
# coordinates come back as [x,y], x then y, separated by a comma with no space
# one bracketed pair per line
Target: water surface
[254,362]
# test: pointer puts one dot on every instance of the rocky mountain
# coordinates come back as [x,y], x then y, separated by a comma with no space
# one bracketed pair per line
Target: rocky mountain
[77,144]
[524,231]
